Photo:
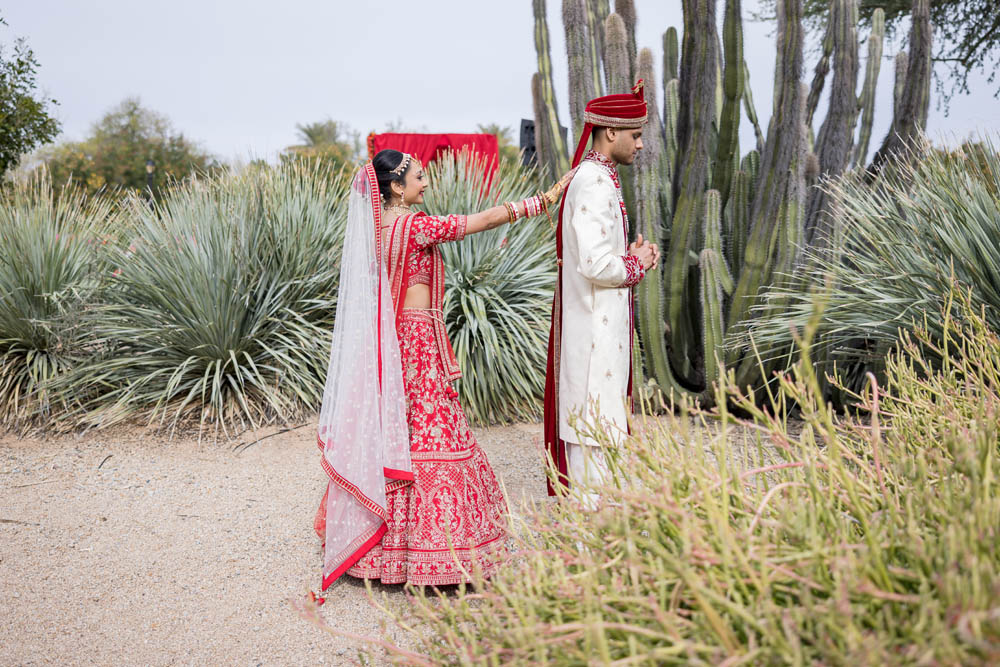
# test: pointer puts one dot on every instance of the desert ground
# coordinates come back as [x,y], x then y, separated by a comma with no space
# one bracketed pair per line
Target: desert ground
[130,547]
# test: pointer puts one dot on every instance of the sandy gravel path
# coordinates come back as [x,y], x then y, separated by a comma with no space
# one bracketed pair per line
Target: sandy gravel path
[132,549]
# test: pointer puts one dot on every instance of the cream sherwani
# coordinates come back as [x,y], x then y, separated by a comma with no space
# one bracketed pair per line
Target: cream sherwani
[596,299]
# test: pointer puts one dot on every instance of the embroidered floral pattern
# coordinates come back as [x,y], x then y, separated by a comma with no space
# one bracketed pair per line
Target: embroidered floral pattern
[455,499]
[635,272]
[428,231]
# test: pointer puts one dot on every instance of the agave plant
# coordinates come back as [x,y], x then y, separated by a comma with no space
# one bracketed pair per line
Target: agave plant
[499,289]
[50,267]
[222,305]
[904,242]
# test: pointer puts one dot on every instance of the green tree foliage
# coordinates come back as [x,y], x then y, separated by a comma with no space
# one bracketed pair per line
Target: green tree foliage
[967,33]
[25,122]
[505,140]
[120,143]
[326,141]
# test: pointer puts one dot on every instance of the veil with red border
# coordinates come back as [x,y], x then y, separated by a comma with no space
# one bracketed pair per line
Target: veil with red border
[362,432]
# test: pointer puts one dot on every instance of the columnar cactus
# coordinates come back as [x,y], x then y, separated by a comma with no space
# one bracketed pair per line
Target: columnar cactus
[732,88]
[821,72]
[866,104]
[737,220]
[544,151]
[556,157]
[911,116]
[626,10]
[751,165]
[716,281]
[649,215]
[751,109]
[597,12]
[617,70]
[835,140]
[671,56]
[722,245]
[784,145]
[901,63]
[668,161]
[581,60]
[694,128]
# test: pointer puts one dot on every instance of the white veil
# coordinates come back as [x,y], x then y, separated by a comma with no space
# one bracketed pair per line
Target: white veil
[362,425]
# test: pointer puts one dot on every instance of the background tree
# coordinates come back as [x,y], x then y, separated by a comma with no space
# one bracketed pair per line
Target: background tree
[505,139]
[25,122]
[120,143]
[329,141]
[967,34]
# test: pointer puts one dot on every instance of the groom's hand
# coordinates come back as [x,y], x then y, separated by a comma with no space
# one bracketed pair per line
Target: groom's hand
[647,253]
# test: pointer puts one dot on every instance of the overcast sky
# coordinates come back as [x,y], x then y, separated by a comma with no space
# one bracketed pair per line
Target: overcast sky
[237,75]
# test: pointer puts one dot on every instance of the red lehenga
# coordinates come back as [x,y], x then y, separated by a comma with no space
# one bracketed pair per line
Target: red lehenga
[444,515]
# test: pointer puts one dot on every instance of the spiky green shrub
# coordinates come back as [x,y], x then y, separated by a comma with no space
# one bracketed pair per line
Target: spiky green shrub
[223,304]
[839,541]
[498,298]
[50,266]
[903,242]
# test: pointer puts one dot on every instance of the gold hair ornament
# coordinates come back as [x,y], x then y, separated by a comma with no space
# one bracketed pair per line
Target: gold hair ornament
[402,166]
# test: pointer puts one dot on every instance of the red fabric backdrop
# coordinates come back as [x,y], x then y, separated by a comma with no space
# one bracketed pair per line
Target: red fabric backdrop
[427,147]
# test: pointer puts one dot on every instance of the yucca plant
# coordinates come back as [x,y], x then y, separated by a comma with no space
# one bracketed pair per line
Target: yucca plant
[903,241]
[223,303]
[499,288]
[50,267]
[757,542]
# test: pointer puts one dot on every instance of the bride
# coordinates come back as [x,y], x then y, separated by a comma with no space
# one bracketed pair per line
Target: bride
[411,496]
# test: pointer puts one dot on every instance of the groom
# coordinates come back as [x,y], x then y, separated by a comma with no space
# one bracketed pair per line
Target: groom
[588,381]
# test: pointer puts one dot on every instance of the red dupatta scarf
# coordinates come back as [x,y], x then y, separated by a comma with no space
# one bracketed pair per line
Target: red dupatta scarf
[401,245]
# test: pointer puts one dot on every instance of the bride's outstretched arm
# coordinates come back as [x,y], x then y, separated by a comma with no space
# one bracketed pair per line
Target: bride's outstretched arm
[492,218]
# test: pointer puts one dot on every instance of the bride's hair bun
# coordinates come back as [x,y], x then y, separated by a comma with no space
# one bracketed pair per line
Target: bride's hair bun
[385,162]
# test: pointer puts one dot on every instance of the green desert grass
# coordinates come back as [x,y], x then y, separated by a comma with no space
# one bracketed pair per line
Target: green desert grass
[867,539]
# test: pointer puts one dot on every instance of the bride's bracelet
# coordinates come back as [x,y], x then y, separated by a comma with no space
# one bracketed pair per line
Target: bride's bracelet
[531,207]
[512,212]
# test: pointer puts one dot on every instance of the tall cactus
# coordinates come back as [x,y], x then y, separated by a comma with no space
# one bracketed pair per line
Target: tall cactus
[671,56]
[697,104]
[911,116]
[617,70]
[668,161]
[597,12]
[716,281]
[751,109]
[556,157]
[866,104]
[738,220]
[727,151]
[821,71]
[649,215]
[544,151]
[626,10]
[901,63]
[581,60]
[725,243]
[836,136]
[785,140]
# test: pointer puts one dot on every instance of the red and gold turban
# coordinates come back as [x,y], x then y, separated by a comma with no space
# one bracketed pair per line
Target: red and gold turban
[626,112]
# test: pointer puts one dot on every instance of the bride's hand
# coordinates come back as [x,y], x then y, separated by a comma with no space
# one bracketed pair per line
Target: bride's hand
[552,196]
